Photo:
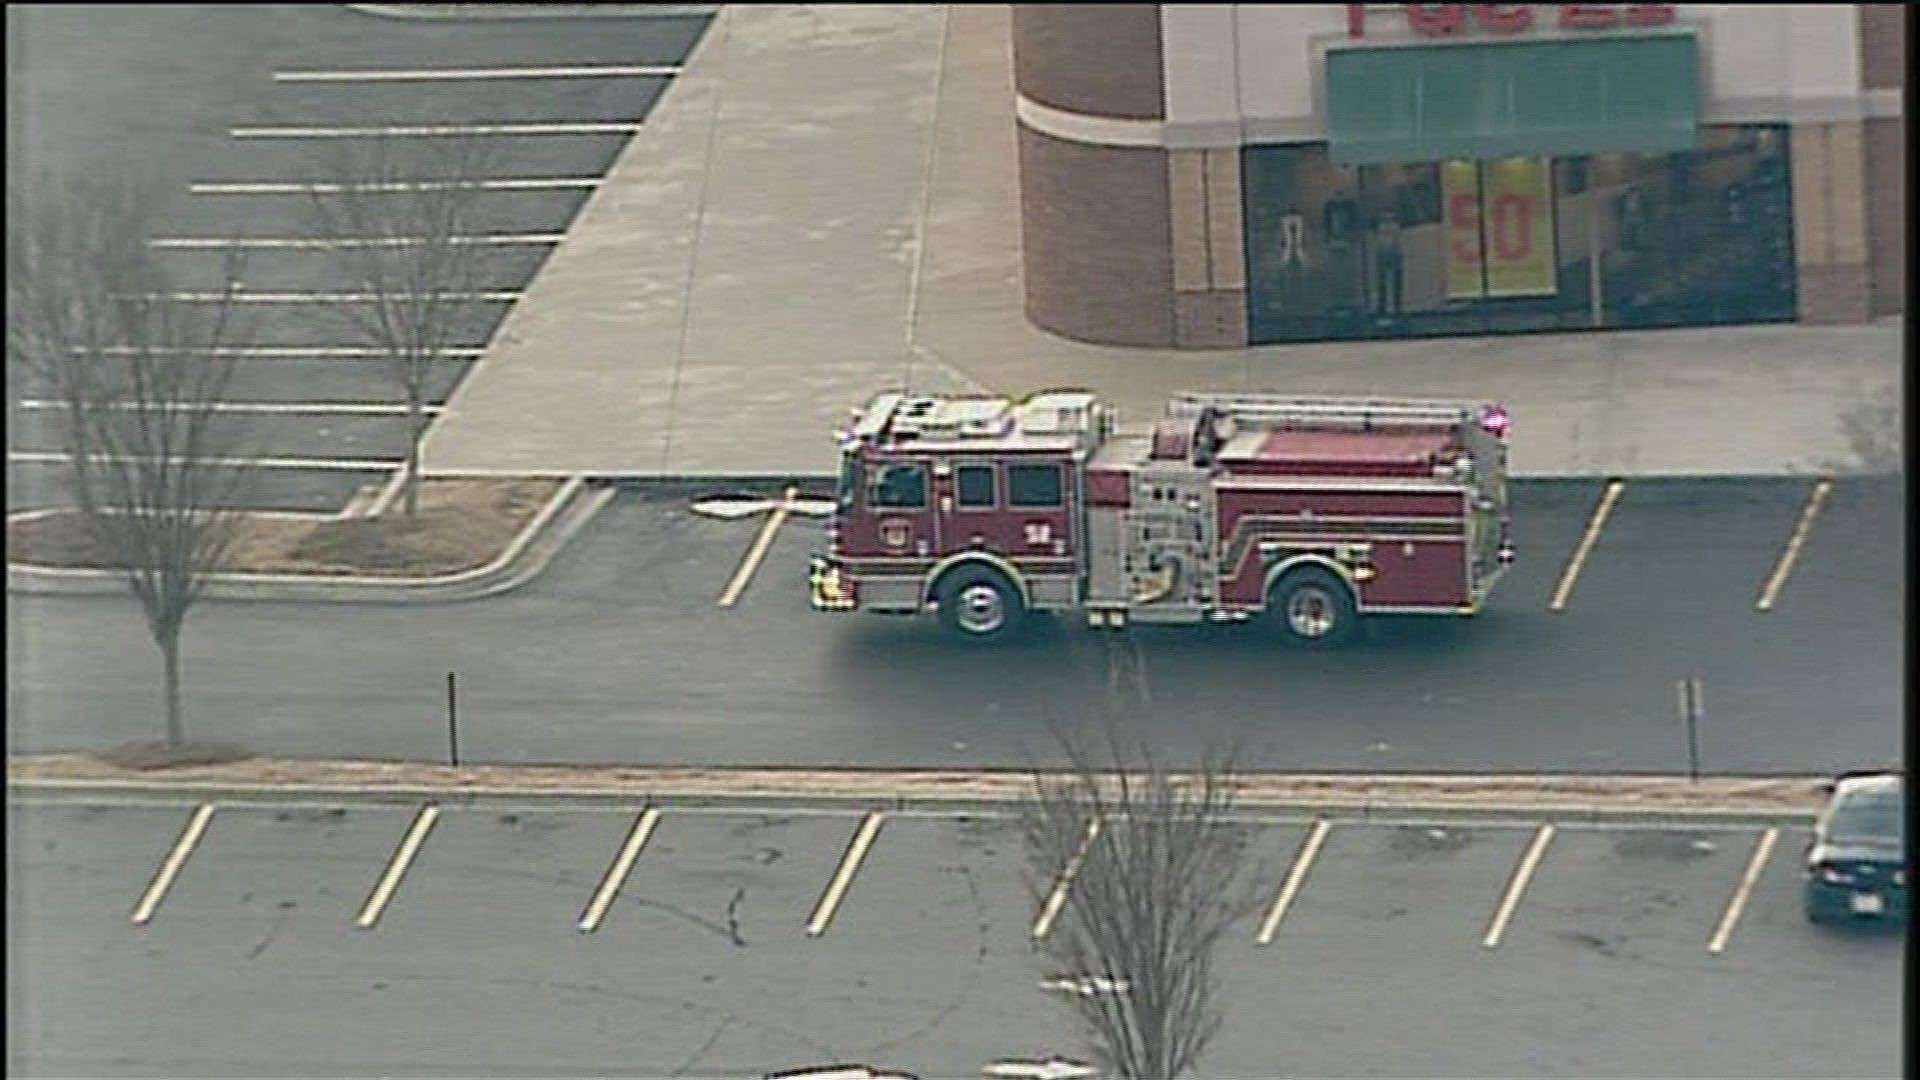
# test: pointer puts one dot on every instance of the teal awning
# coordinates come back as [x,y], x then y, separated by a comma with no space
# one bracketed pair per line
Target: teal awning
[1485,99]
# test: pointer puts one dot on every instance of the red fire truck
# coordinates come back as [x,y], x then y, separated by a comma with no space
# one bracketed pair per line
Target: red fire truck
[1304,512]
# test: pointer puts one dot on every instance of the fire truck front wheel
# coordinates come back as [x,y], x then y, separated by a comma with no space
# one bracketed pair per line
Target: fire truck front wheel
[1312,607]
[980,604]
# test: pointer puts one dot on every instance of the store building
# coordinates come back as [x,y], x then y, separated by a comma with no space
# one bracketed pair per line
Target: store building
[1211,176]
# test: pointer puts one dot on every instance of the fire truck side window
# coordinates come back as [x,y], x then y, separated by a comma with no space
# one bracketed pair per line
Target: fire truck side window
[974,485]
[900,486]
[1033,485]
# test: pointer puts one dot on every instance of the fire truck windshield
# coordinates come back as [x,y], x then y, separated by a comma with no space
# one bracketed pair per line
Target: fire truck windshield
[849,479]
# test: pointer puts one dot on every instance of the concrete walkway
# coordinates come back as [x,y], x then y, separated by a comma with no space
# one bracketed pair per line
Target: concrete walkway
[825,203]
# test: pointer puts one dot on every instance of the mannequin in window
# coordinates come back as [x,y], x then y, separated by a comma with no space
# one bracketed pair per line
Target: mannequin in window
[1386,264]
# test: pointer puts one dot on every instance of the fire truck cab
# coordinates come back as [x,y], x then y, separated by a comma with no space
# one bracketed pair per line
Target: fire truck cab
[1305,512]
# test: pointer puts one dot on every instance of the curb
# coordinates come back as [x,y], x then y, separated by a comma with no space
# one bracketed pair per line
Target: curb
[1250,807]
[523,559]
[507,12]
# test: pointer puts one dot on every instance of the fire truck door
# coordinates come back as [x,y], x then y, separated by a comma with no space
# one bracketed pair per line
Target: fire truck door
[900,500]
[1039,505]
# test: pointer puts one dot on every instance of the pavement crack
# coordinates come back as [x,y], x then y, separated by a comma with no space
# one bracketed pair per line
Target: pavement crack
[694,1058]
[973,975]
[733,917]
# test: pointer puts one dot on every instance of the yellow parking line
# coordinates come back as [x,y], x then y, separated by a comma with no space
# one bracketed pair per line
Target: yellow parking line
[1521,875]
[1761,851]
[759,549]
[1771,590]
[397,869]
[170,866]
[1295,877]
[617,873]
[1599,521]
[843,877]
[1058,898]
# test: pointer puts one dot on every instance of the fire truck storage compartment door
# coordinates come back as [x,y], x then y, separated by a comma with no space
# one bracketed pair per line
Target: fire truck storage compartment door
[1170,540]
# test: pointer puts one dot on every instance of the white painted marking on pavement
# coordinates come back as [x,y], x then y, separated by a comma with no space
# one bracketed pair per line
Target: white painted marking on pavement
[1761,851]
[243,296]
[305,243]
[843,877]
[397,868]
[257,408]
[1295,877]
[57,457]
[582,71]
[1771,590]
[431,130]
[1521,876]
[617,873]
[1058,898]
[505,183]
[170,866]
[758,551]
[1592,537]
[291,352]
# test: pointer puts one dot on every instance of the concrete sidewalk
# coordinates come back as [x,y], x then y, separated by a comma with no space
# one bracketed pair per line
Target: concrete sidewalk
[825,203]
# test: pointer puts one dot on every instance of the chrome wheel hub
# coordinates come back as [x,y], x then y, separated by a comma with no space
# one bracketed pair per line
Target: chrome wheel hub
[1311,612]
[981,609]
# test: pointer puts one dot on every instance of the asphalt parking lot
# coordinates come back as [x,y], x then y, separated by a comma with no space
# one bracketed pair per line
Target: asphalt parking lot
[233,111]
[703,964]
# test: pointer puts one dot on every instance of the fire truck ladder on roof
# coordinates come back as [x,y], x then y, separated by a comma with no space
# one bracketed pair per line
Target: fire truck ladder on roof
[1287,409]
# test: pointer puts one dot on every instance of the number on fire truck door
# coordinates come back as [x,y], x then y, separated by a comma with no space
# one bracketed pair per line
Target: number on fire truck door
[1039,534]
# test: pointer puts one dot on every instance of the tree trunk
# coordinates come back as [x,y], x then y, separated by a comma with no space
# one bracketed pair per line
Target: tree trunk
[170,660]
[413,446]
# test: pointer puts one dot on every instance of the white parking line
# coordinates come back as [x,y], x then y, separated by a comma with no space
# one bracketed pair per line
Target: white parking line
[617,873]
[1592,537]
[170,866]
[1761,851]
[1521,875]
[744,573]
[584,71]
[431,130]
[293,352]
[243,296]
[843,877]
[397,868]
[303,243]
[1058,898]
[58,457]
[514,183]
[1771,590]
[262,408]
[1295,877]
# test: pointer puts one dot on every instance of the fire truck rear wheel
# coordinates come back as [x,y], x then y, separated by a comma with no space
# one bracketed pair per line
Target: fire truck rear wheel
[1312,608]
[980,604]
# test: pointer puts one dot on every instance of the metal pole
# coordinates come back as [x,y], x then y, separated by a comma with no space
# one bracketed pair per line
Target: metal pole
[1593,251]
[1693,724]
[453,724]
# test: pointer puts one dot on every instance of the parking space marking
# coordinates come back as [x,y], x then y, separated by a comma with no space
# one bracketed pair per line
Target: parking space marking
[504,183]
[305,243]
[1521,875]
[259,408]
[583,71]
[1770,591]
[431,130]
[397,867]
[744,573]
[243,296]
[1295,877]
[1585,548]
[843,877]
[1761,851]
[617,873]
[170,866]
[57,457]
[1058,898]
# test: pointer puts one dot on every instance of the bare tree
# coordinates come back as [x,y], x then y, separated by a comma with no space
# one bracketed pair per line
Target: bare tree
[141,369]
[400,215]
[1143,870]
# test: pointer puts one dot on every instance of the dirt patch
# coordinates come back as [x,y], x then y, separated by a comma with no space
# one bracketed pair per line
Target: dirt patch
[149,756]
[1743,794]
[461,524]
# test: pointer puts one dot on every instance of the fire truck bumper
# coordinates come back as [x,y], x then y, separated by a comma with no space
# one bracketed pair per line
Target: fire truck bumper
[828,590]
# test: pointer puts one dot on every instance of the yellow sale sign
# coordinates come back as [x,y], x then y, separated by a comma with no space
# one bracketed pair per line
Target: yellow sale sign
[1460,205]
[1517,208]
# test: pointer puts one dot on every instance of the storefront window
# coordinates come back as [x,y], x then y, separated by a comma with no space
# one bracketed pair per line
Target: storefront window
[1519,243]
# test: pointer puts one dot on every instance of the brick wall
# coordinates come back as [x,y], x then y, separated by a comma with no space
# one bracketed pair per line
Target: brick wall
[1094,229]
[1887,213]
[1830,221]
[1101,59]
[1883,45]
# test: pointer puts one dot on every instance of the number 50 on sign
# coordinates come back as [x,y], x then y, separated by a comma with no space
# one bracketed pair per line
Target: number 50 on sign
[1499,222]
